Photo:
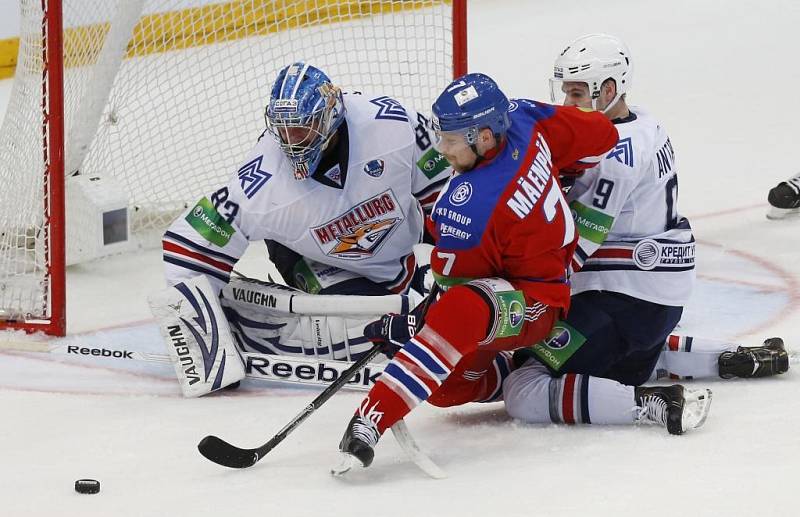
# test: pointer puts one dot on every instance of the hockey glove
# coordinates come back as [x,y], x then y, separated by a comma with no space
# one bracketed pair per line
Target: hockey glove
[393,331]
[567,177]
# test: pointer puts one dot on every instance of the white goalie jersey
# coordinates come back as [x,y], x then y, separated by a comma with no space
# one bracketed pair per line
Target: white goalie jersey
[362,215]
[631,238]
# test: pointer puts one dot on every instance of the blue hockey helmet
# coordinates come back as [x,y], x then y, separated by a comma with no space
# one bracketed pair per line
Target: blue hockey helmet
[470,103]
[303,113]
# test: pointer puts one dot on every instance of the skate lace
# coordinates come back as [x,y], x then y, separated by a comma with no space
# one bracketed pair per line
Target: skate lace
[365,431]
[653,410]
[365,427]
[794,183]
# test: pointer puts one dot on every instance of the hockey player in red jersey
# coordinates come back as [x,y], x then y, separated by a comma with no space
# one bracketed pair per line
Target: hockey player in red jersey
[505,237]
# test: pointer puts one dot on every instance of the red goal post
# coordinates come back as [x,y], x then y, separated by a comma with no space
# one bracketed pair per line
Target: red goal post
[129,91]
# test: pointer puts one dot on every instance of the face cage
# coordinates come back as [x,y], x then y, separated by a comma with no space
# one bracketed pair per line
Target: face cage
[306,152]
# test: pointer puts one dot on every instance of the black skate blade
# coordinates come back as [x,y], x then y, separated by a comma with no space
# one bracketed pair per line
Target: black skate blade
[223,453]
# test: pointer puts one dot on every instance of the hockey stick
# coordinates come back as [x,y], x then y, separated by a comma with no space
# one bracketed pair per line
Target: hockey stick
[223,453]
[400,429]
[267,367]
[414,453]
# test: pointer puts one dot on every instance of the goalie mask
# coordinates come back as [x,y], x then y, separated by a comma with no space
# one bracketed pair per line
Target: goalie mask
[303,113]
[593,59]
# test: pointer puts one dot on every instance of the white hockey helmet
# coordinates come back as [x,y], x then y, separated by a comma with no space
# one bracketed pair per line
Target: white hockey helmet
[592,59]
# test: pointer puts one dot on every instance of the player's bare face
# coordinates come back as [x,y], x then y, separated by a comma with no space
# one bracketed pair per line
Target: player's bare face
[456,150]
[576,94]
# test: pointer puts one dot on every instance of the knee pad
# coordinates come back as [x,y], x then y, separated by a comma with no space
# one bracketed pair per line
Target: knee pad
[506,307]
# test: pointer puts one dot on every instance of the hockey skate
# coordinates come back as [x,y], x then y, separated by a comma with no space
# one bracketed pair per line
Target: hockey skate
[674,407]
[784,199]
[357,445]
[759,361]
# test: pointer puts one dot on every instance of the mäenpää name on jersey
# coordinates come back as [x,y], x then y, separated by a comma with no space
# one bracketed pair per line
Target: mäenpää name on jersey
[532,185]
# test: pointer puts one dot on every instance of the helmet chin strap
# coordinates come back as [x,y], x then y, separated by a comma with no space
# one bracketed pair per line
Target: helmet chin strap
[610,105]
[490,153]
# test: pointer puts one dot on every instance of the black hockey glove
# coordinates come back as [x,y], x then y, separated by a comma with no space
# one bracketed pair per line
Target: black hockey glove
[393,331]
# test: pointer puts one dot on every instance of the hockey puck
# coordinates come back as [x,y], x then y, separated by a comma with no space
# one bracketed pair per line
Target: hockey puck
[87,486]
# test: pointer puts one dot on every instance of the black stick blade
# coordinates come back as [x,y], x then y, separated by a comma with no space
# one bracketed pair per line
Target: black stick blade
[223,453]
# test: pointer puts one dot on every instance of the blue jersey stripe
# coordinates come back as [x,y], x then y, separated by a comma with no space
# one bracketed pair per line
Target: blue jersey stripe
[413,384]
[194,267]
[584,399]
[632,267]
[201,249]
[423,355]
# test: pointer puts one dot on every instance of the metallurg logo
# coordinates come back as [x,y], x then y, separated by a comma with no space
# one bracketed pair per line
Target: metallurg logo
[361,231]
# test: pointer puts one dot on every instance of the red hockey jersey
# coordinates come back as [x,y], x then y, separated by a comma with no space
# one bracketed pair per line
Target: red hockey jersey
[508,218]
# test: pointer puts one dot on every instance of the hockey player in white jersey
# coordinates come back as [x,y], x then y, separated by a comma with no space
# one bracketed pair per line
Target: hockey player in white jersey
[633,272]
[338,186]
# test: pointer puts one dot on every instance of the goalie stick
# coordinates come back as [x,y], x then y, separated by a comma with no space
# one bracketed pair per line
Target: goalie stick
[226,454]
[278,368]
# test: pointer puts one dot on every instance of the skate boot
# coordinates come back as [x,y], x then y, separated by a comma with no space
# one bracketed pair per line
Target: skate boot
[784,199]
[357,445]
[674,407]
[758,361]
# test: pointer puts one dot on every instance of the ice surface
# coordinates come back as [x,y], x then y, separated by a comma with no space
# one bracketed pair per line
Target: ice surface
[700,68]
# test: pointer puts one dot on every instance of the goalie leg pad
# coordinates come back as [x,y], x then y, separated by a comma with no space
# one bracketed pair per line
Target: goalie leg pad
[197,336]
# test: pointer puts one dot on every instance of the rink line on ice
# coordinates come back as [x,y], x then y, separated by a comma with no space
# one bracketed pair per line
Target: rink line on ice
[788,283]
[90,393]
[45,358]
[728,211]
[115,326]
[271,393]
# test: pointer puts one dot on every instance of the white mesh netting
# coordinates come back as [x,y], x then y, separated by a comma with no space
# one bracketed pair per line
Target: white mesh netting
[174,117]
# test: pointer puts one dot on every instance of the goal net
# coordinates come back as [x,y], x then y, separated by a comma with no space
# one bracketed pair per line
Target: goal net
[164,97]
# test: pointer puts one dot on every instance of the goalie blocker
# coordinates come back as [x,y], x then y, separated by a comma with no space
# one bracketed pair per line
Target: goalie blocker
[205,338]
